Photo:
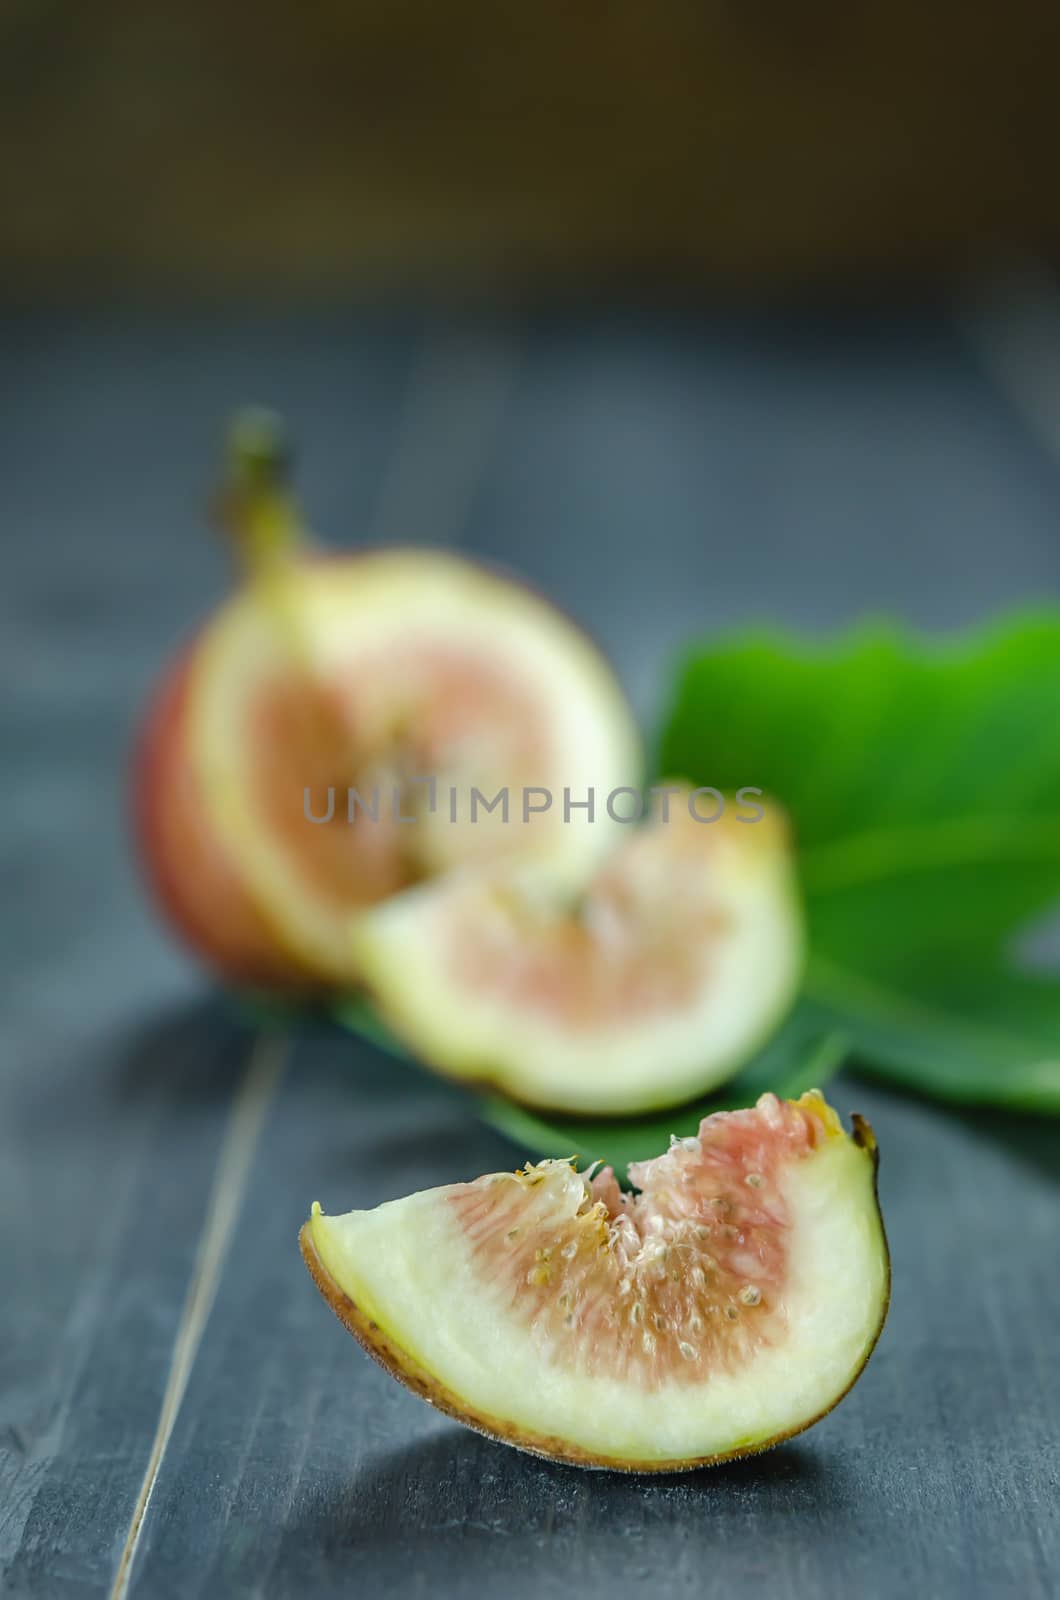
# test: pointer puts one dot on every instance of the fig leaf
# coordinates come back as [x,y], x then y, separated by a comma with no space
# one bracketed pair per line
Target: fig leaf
[922,777]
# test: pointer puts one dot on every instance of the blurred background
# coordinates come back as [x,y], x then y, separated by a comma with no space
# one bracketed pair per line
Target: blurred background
[695,314]
[735,147]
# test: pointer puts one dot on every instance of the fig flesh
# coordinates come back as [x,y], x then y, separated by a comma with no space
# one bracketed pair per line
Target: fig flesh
[728,1305]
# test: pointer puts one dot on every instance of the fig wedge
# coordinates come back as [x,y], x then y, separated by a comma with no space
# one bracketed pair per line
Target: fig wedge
[727,1305]
[652,984]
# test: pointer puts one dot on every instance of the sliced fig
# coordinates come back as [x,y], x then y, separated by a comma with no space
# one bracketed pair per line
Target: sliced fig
[651,985]
[327,737]
[329,776]
[727,1305]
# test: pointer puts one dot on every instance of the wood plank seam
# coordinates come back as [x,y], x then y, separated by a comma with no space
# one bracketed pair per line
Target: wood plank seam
[247,1118]
[1012,328]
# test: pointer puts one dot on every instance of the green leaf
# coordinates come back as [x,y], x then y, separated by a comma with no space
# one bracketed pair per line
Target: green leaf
[805,1052]
[978,1038]
[923,781]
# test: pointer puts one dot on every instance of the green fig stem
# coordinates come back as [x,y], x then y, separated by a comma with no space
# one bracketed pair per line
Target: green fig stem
[257,509]
[260,516]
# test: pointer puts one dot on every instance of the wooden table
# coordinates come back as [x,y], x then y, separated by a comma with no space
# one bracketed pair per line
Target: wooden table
[179,1414]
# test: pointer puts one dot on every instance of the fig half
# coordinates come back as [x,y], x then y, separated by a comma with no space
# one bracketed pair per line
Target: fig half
[650,985]
[340,730]
[727,1305]
[432,678]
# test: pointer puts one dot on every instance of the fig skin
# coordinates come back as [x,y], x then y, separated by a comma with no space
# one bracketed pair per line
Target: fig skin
[375,1341]
[195,884]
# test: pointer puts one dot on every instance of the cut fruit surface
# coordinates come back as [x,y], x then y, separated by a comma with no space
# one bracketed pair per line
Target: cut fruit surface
[727,1305]
[403,677]
[668,968]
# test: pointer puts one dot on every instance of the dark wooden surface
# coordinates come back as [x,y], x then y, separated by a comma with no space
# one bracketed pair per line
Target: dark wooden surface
[178,1411]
